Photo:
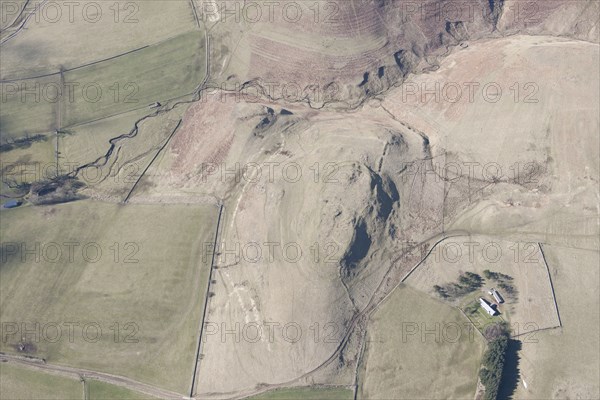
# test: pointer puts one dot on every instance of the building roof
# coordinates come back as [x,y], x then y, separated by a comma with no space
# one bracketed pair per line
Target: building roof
[497,296]
[486,306]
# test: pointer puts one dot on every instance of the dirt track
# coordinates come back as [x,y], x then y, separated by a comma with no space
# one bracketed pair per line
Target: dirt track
[78,373]
[359,318]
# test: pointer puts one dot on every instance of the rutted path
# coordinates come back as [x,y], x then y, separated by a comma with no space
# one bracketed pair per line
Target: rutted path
[80,373]
[389,282]
[21,20]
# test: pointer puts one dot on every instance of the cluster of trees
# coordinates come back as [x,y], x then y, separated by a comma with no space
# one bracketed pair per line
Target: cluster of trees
[504,281]
[467,283]
[507,287]
[497,276]
[493,365]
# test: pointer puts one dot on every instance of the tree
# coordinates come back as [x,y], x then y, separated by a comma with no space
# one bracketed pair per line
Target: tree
[467,282]
[493,363]
[506,287]
[440,291]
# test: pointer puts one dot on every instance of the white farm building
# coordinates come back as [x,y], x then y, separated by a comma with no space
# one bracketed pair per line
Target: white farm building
[487,307]
[497,296]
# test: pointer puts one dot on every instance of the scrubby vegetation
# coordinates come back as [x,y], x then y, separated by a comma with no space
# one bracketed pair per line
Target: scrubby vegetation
[60,190]
[21,143]
[467,283]
[472,308]
[493,363]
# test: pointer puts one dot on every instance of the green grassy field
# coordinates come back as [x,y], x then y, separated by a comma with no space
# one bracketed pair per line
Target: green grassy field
[134,297]
[306,393]
[167,70]
[481,319]
[29,163]
[161,72]
[86,142]
[419,348]
[97,390]
[115,179]
[17,383]
[29,107]
[118,26]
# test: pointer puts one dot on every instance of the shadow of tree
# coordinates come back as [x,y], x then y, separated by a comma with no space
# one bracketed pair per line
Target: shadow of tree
[510,372]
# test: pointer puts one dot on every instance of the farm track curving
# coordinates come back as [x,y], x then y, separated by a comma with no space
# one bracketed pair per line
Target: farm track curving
[360,319]
[22,19]
[85,373]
